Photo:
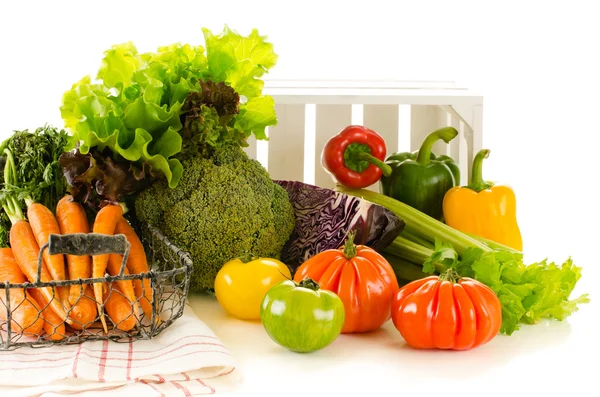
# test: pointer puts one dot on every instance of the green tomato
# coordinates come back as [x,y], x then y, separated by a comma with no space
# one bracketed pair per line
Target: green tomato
[301,317]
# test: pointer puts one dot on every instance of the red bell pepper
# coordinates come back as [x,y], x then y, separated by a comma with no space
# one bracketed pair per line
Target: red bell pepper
[355,157]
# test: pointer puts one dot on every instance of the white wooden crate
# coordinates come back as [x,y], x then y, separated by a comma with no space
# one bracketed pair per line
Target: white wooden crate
[403,113]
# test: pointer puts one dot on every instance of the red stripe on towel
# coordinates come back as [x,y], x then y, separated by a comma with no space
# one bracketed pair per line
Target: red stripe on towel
[129,359]
[182,388]
[152,386]
[102,363]
[76,360]
[212,391]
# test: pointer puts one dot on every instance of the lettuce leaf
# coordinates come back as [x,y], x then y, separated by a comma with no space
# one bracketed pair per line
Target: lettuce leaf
[96,178]
[134,108]
[256,115]
[133,123]
[241,62]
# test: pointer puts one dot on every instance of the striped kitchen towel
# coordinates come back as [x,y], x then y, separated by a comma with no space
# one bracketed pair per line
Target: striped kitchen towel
[186,359]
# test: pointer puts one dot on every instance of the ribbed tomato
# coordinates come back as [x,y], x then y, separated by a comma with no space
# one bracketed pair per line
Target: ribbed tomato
[446,312]
[361,277]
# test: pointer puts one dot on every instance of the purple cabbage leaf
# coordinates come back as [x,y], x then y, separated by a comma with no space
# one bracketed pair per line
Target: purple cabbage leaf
[324,217]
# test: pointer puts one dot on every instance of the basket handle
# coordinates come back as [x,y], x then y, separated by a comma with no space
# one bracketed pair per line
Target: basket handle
[86,244]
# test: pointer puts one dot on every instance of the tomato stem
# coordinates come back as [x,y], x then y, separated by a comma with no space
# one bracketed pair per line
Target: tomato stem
[247,257]
[450,275]
[310,284]
[349,246]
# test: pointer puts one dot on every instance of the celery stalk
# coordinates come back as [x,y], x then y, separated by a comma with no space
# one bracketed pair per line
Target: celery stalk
[415,238]
[417,222]
[409,250]
[493,244]
[404,269]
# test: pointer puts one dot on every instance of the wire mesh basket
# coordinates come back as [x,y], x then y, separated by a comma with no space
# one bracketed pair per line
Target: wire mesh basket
[157,299]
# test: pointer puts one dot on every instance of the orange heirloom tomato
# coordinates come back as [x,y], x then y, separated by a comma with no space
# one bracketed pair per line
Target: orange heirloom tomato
[361,277]
[446,312]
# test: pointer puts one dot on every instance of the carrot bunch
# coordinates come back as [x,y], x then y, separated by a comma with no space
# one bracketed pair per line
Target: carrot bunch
[80,305]
[50,311]
[119,299]
[25,243]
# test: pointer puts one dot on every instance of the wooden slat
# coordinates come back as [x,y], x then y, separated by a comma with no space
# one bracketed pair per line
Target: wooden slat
[464,154]
[383,119]
[477,133]
[425,119]
[330,120]
[286,143]
[404,128]
[262,150]
[453,149]
[471,115]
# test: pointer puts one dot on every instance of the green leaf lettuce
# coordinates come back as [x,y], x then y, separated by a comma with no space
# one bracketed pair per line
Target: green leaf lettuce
[135,105]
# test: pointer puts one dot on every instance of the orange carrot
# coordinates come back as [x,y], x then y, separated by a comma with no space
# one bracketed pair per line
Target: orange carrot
[136,264]
[26,250]
[71,218]
[118,308]
[25,312]
[84,312]
[54,326]
[105,223]
[43,223]
[126,286]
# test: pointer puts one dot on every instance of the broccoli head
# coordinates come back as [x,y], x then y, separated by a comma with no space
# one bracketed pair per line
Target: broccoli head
[225,206]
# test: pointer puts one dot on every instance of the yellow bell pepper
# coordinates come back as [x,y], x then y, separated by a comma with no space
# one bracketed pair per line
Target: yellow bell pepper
[483,208]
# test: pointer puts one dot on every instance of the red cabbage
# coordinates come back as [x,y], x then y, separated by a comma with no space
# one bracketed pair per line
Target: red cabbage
[324,217]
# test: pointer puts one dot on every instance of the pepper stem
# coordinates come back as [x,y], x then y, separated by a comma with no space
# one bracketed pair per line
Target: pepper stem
[364,156]
[450,275]
[349,246]
[477,183]
[358,157]
[446,134]
[309,283]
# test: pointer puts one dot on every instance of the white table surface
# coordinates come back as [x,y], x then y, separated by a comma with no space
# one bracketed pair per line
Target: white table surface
[546,359]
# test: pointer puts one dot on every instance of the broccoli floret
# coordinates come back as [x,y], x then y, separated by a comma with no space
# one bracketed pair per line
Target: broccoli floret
[224,206]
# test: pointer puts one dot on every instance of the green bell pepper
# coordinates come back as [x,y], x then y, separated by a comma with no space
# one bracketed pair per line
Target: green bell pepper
[421,179]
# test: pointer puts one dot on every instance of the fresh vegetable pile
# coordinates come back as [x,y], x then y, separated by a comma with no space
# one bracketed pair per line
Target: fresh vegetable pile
[479,239]
[453,276]
[157,140]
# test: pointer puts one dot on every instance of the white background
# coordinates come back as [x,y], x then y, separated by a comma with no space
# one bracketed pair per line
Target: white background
[535,62]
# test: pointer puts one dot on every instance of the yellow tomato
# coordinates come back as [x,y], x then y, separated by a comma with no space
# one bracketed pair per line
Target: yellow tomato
[241,286]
